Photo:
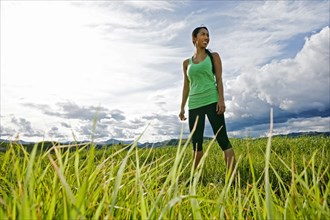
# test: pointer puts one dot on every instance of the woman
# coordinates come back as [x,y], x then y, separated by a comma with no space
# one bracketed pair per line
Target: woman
[203,85]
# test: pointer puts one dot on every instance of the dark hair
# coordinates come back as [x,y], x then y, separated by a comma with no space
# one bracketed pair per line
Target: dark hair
[208,52]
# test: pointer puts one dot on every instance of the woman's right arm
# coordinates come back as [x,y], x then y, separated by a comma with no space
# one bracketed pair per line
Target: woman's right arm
[185,90]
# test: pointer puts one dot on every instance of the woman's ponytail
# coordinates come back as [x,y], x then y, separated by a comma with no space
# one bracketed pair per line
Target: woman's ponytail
[211,57]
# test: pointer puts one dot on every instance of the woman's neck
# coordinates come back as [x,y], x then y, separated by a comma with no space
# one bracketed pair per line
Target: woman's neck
[199,52]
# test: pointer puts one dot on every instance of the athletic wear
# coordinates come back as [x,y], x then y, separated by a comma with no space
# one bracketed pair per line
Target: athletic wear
[202,84]
[203,99]
[216,122]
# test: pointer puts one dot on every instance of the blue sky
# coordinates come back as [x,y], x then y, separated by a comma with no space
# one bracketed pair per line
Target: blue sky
[65,63]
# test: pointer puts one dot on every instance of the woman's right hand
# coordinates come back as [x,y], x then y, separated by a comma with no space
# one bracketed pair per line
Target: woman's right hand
[181,115]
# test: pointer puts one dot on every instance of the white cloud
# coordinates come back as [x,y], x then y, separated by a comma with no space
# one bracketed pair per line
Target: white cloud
[152,5]
[255,32]
[319,124]
[98,55]
[294,85]
[66,58]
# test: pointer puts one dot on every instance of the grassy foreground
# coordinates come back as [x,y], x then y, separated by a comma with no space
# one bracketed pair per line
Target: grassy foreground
[287,178]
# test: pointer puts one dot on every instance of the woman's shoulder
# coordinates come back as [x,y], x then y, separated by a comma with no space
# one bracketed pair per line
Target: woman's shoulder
[186,62]
[216,57]
[215,54]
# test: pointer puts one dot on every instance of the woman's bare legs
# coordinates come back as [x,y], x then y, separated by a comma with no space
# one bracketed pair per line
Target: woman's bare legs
[230,159]
[197,156]
[228,154]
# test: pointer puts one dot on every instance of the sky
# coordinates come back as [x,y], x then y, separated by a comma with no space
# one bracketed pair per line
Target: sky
[82,70]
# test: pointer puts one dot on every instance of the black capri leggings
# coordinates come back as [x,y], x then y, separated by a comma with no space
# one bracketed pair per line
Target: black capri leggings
[216,122]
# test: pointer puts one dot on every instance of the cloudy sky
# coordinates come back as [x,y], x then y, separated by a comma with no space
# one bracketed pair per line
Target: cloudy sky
[70,66]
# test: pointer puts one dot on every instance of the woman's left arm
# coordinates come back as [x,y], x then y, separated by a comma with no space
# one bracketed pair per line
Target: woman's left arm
[221,107]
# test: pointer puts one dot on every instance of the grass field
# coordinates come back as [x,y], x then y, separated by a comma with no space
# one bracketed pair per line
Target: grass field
[287,178]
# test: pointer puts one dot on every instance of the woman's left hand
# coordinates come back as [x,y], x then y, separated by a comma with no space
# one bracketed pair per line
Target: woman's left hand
[221,107]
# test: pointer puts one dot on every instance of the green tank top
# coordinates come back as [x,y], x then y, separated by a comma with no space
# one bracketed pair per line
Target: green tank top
[202,84]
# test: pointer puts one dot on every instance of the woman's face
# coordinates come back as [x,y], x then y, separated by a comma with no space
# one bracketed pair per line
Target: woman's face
[202,38]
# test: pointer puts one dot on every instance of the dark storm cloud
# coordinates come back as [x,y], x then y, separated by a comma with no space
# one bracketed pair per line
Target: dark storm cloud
[108,129]
[110,123]
[25,127]
[54,132]
[6,131]
[88,131]
[65,125]
[71,110]
[117,115]
[137,122]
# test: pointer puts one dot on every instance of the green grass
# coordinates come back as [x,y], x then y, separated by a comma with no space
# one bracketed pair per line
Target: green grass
[286,179]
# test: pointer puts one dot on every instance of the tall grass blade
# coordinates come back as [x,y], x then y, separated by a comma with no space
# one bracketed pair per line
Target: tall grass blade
[63,181]
[168,178]
[27,210]
[138,185]
[277,178]
[254,187]
[119,177]
[269,205]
